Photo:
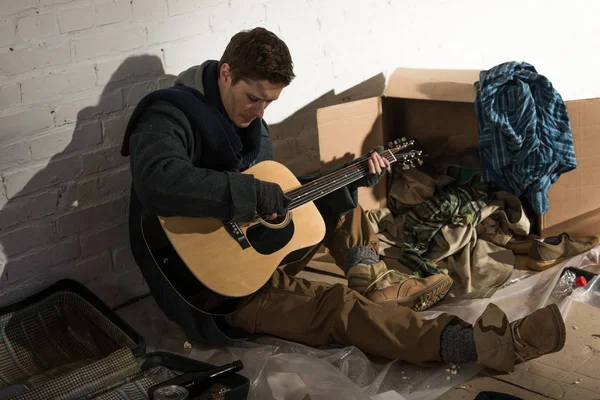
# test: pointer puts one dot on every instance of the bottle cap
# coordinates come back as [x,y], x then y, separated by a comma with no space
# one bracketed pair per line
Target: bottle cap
[580,281]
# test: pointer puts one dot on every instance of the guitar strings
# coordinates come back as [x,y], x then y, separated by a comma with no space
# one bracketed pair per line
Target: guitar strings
[343,173]
[351,173]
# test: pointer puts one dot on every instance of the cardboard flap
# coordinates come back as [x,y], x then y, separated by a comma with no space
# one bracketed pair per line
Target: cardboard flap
[433,84]
[347,131]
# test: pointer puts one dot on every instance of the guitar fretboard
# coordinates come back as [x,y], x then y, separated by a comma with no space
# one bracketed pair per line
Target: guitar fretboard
[318,188]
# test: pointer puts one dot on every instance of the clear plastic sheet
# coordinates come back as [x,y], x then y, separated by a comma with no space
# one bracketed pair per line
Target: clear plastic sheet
[526,292]
[283,370]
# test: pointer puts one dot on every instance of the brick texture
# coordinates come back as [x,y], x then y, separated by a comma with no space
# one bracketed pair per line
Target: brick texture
[29,59]
[10,95]
[37,26]
[75,19]
[51,85]
[10,6]
[112,11]
[7,33]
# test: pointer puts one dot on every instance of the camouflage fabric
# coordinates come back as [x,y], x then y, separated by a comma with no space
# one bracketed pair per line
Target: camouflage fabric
[493,340]
[460,205]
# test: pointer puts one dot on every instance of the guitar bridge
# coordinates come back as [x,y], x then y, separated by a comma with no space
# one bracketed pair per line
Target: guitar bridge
[236,233]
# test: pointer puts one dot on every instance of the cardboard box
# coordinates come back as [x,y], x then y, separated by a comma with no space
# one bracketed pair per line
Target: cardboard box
[436,106]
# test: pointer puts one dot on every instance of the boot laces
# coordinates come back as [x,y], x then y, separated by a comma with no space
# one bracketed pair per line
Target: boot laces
[517,336]
[380,277]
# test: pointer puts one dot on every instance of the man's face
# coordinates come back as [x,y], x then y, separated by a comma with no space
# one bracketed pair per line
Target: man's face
[247,99]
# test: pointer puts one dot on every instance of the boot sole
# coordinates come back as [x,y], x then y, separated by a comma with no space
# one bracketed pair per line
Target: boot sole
[543,265]
[423,300]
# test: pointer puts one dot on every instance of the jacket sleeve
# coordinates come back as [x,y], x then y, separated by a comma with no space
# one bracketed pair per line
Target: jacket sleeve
[167,182]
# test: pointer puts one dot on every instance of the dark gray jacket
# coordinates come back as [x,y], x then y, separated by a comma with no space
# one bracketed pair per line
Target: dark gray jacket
[166,182]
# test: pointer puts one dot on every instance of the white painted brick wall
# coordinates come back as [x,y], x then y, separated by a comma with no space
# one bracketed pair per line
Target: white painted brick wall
[67,81]
[10,6]
[37,26]
[10,95]
[112,11]
[75,19]
[110,42]
[28,59]
[7,33]
[71,72]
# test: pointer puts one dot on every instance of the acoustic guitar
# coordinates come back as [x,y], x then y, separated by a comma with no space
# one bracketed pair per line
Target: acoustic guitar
[213,264]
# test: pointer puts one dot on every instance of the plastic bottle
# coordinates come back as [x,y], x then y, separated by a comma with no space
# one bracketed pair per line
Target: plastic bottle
[567,283]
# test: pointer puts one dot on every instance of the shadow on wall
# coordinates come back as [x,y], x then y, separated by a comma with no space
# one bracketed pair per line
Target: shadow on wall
[296,142]
[67,219]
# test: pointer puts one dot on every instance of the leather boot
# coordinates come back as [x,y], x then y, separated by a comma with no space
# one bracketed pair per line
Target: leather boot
[500,345]
[391,288]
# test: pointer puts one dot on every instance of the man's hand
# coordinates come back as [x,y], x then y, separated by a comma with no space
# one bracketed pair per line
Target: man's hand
[377,167]
[270,200]
[377,164]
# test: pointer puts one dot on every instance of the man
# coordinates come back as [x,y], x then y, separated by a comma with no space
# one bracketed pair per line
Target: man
[189,143]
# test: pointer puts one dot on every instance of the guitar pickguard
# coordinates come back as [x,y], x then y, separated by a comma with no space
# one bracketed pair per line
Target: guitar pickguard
[266,240]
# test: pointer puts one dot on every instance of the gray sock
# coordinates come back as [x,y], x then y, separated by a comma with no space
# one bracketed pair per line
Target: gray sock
[360,255]
[458,345]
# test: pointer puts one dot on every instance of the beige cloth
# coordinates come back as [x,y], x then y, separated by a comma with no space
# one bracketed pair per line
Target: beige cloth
[414,187]
[473,255]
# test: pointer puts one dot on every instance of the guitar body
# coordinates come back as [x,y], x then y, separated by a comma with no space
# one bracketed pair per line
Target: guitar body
[212,265]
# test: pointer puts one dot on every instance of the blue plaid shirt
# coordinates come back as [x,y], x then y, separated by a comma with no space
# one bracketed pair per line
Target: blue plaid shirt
[525,136]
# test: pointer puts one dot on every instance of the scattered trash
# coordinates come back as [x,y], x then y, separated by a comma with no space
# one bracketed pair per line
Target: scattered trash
[596,336]
[187,345]
[405,377]
[454,372]
[574,327]
[448,378]
[578,381]
[464,387]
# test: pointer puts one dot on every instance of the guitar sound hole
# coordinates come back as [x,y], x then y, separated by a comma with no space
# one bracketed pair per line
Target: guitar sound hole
[267,240]
[277,221]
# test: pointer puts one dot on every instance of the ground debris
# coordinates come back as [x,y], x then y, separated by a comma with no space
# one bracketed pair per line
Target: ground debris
[187,345]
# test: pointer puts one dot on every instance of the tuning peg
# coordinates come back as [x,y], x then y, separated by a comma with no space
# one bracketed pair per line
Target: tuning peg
[405,166]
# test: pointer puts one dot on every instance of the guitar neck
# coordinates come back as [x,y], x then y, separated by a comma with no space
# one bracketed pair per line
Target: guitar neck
[329,183]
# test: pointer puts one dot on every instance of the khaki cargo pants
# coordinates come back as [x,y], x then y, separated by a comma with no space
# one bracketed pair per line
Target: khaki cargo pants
[315,313]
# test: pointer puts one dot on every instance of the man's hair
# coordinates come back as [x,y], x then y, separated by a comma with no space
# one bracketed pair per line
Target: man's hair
[258,54]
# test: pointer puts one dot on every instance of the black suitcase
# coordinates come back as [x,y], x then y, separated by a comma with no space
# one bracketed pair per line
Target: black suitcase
[65,343]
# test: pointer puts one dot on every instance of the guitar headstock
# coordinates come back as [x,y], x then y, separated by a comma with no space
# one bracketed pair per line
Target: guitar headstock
[408,152]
